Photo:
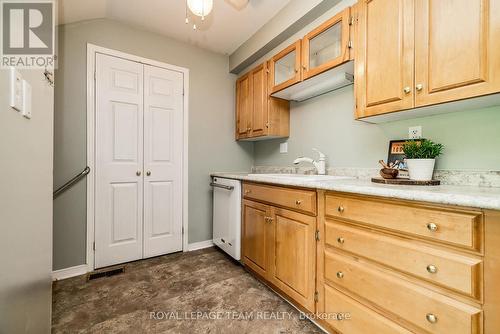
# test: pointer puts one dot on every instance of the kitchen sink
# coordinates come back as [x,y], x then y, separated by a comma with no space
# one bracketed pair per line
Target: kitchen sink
[302,177]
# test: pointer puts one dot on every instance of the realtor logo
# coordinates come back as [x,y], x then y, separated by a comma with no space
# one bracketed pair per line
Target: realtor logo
[27,33]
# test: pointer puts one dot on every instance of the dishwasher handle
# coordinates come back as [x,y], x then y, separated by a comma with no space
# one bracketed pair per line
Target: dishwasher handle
[223,186]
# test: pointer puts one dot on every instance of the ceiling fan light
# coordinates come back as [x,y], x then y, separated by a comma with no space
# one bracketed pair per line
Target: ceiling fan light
[200,7]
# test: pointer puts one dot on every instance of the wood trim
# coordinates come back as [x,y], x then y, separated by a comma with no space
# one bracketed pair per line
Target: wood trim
[61,274]
[343,18]
[320,254]
[491,305]
[296,46]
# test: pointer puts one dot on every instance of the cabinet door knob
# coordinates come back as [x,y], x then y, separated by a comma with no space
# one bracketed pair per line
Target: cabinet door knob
[419,87]
[298,202]
[138,173]
[340,209]
[407,90]
[296,70]
[340,274]
[432,318]
[432,269]
[148,173]
[432,227]
[340,240]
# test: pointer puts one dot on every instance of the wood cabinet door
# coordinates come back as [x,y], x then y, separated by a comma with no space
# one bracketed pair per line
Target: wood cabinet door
[257,237]
[243,106]
[259,98]
[384,57]
[457,49]
[326,46]
[293,254]
[285,67]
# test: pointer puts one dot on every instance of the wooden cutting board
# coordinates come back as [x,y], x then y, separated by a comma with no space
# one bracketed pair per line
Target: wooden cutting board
[406,182]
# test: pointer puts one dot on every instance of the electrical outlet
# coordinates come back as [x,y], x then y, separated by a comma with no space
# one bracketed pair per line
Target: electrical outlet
[284,147]
[415,132]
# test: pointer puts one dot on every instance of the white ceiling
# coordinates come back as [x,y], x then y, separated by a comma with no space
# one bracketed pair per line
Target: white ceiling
[223,31]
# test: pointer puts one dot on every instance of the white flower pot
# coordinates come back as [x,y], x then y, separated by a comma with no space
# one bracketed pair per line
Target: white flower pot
[421,169]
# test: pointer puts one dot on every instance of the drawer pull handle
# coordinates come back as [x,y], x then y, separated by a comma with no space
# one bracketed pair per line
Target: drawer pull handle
[340,240]
[432,227]
[298,202]
[247,191]
[340,209]
[432,269]
[340,274]
[432,318]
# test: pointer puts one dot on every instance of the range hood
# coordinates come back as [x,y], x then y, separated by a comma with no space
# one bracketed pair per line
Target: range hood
[325,82]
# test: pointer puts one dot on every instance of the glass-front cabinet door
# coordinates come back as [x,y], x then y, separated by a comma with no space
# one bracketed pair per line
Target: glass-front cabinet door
[326,46]
[285,67]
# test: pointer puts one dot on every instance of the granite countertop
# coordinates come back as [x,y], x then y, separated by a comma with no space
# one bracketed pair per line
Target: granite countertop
[470,196]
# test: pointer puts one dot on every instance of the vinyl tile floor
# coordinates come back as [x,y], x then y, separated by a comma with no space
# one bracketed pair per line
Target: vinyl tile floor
[202,291]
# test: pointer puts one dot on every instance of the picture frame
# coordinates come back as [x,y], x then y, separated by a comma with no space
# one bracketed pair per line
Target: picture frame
[395,153]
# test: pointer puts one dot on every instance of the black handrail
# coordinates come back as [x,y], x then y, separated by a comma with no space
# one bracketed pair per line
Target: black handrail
[71,182]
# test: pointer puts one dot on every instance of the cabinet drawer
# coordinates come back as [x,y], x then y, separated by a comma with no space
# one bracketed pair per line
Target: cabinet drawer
[457,227]
[361,320]
[458,272]
[295,199]
[404,299]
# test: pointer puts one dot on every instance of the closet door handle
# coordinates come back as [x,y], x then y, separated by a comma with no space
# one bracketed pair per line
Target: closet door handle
[148,173]
[138,173]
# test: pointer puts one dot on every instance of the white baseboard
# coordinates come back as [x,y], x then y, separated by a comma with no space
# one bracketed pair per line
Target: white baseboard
[69,272]
[200,245]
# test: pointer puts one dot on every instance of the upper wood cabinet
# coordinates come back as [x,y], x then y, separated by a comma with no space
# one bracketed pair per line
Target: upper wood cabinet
[259,116]
[284,68]
[243,106]
[326,46]
[457,49]
[384,57]
[414,53]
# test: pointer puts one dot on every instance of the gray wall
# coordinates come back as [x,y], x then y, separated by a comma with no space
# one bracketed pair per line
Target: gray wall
[26,210]
[211,125]
[327,123]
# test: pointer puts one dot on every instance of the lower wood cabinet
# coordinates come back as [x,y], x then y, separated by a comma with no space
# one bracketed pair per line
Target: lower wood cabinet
[279,245]
[344,258]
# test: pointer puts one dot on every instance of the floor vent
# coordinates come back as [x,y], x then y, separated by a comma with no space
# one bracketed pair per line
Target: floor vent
[105,273]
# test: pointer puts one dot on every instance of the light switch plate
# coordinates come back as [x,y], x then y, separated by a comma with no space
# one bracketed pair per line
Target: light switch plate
[415,132]
[16,89]
[284,147]
[26,99]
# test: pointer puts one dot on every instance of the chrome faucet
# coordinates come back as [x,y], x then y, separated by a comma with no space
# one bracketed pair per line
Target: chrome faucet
[320,165]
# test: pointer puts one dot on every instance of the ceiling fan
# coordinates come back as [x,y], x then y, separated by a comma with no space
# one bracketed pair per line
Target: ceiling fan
[202,8]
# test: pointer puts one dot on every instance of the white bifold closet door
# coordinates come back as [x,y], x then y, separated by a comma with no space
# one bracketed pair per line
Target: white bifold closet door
[138,162]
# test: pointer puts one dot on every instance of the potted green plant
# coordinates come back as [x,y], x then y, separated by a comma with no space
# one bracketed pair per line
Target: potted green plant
[421,158]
